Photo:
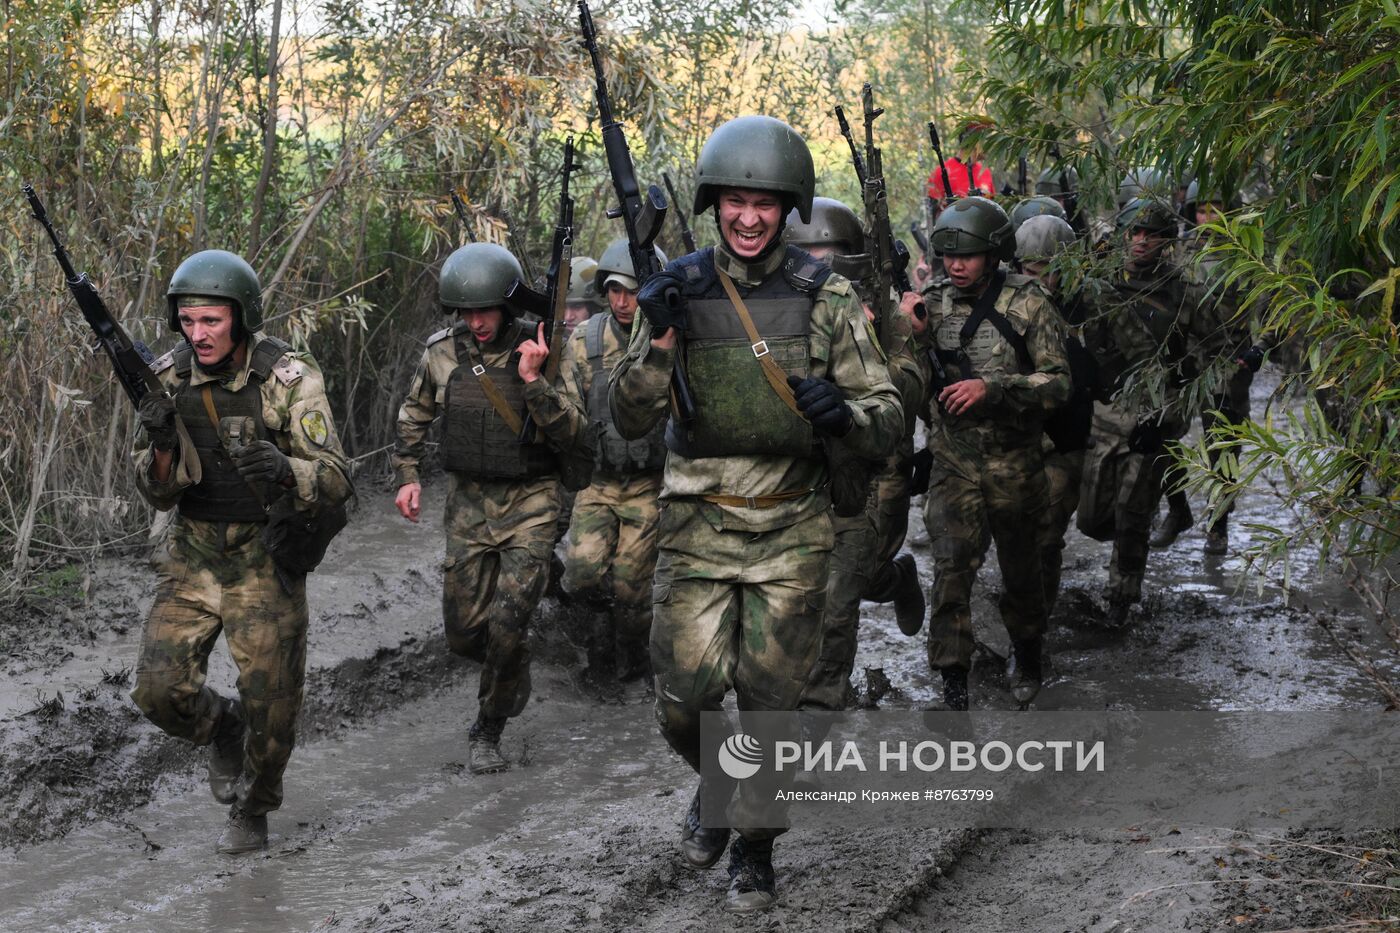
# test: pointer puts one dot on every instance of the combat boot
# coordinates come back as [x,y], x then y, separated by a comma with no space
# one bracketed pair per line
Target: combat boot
[1024,673]
[244,832]
[752,886]
[484,746]
[908,596]
[1179,518]
[955,688]
[1218,538]
[226,752]
[1117,615]
[701,846]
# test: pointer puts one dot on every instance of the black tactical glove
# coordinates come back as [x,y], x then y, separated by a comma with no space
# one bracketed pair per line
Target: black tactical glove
[157,414]
[823,404]
[661,301]
[1253,358]
[261,461]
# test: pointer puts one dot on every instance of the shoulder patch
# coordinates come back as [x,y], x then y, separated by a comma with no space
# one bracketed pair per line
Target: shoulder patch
[161,363]
[837,284]
[287,370]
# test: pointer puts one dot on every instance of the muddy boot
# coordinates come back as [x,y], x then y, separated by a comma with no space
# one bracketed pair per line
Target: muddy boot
[484,746]
[226,753]
[955,688]
[1117,614]
[1179,518]
[244,832]
[908,596]
[634,663]
[701,846]
[752,887]
[1218,538]
[1023,670]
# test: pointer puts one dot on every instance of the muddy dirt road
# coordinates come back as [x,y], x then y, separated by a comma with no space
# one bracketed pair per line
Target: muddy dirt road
[108,825]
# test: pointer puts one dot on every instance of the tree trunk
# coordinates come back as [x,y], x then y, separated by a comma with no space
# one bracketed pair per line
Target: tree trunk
[269,133]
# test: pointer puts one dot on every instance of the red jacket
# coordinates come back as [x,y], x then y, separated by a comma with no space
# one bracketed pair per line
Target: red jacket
[957,174]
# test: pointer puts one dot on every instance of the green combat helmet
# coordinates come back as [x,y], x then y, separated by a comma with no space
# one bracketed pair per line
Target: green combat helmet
[1039,206]
[581,290]
[216,273]
[834,227]
[973,225]
[1050,183]
[758,153]
[477,275]
[617,260]
[1138,181]
[1042,238]
[1148,214]
[1213,195]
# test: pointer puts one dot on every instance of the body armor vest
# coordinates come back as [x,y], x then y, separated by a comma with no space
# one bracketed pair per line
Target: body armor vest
[222,495]
[611,451]
[476,439]
[737,412]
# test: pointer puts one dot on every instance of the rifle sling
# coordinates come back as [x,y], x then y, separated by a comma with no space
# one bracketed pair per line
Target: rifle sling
[985,310]
[771,370]
[493,394]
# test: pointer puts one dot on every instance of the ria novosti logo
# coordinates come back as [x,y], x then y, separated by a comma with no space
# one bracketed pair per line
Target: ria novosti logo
[740,756]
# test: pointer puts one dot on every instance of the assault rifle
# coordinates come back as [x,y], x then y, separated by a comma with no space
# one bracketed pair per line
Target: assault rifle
[943,166]
[891,256]
[129,360]
[461,210]
[557,281]
[687,238]
[1023,176]
[642,217]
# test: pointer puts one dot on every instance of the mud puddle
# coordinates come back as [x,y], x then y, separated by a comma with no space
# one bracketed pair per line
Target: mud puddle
[362,814]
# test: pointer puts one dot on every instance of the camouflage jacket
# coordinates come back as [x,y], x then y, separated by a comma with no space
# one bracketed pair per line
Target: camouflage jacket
[1142,321]
[297,415]
[844,350]
[1019,398]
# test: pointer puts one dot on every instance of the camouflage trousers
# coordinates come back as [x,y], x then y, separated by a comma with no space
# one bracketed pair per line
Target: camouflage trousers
[1230,407]
[238,594]
[1139,490]
[1063,472]
[612,555]
[862,568]
[976,498]
[734,609]
[499,537]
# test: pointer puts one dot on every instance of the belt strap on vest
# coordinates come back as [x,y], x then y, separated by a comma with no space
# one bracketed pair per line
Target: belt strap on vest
[771,370]
[493,394]
[759,502]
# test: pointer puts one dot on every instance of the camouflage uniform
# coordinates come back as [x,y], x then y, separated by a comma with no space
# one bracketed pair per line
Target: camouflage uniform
[613,532]
[214,576]
[1143,318]
[499,531]
[739,590]
[988,478]
[862,560]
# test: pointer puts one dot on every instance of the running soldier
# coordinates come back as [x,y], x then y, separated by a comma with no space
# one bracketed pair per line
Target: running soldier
[781,362]
[1001,345]
[257,412]
[503,499]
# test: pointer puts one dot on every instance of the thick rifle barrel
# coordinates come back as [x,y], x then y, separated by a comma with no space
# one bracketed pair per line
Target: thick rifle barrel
[687,238]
